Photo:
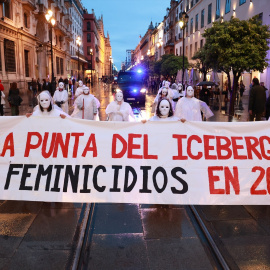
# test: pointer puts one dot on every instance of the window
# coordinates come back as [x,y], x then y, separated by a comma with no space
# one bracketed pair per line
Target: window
[241,2]
[62,66]
[196,22]
[201,43]
[7,9]
[187,29]
[88,26]
[191,26]
[196,47]
[176,51]
[9,51]
[217,9]
[57,65]
[209,13]
[187,6]
[186,52]
[25,20]
[202,18]
[190,52]
[26,63]
[227,6]
[191,3]
[88,37]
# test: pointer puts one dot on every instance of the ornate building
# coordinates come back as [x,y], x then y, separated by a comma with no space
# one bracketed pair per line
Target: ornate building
[97,48]
[25,43]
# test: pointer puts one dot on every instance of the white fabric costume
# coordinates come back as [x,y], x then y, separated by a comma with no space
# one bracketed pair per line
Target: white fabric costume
[119,110]
[85,106]
[189,108]
[61,95]
[79,89]
[44,100]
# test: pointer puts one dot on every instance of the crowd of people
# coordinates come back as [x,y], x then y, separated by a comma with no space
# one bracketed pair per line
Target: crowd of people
[178,104]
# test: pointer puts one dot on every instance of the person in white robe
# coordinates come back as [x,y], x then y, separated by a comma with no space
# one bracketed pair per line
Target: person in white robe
[189,108]
[164,111]
[164,92]
[79,89]
[46,107]
[85,106]
[60,97]
[119,110]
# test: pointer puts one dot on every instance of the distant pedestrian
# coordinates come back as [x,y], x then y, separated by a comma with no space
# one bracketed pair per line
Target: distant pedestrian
[205,94]
[242,88]
[257,101]
[2,99]
[14,99]
[47,85]
[60,80]
[66,83]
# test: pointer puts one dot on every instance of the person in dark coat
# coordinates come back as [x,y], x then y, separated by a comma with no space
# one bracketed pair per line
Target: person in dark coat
[14,99]
[267,108]
[205,94]
[47,85]
[257,100]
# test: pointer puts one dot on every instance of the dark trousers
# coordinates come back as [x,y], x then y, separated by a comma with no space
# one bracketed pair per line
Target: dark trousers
[1,109]
[257,116]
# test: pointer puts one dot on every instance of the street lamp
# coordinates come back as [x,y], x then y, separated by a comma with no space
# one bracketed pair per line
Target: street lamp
[51,21]
[183,23]
[79,42]
[159,44]
[91,53]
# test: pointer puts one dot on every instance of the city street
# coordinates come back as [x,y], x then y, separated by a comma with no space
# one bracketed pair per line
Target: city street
[39,235]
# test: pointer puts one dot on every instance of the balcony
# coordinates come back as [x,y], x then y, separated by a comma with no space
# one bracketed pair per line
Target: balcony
[29,5]
[68,3]
[59,27]
[169,43]
[68,19]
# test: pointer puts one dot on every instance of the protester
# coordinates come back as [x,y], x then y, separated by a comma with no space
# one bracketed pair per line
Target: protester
[164,92]
[79,89]
[257,100]
[60,98]
[46,107]
[14,99]
[164,111]
[85,105]
[189,108]
[118,110]
[2,99]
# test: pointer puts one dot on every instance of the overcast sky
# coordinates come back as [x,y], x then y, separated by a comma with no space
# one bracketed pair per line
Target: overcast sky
[126,20]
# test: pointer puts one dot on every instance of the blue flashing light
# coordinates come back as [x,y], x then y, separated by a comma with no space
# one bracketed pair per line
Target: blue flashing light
[139,71]
[135,90]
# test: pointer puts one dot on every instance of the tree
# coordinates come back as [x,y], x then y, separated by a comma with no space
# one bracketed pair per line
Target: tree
[237,45]
[204,63]
[169,65]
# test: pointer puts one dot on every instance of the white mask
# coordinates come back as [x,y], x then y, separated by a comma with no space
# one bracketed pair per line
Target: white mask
[164,108]
[164,92]
[61,85]
[190,92]
[167,84]
[80,83]
[44,100]
[180,87]
[119,96]
[86,90]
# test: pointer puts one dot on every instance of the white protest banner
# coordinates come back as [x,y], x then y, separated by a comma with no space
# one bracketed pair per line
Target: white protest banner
[71,160]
